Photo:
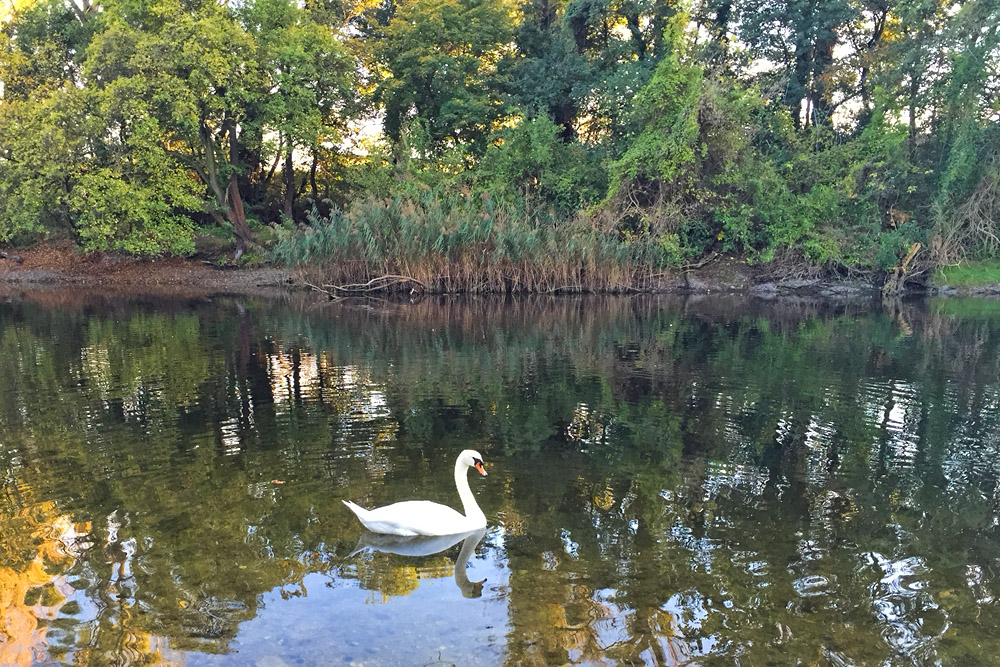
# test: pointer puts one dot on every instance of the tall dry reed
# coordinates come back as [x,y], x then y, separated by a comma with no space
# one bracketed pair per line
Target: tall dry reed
[467,244]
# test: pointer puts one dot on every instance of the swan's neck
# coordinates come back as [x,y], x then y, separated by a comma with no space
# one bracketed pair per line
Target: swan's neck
[469,504]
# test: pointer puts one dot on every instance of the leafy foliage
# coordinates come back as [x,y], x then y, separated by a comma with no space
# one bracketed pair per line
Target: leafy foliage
[667,111]
[530,163]
[840,133]
[442,57]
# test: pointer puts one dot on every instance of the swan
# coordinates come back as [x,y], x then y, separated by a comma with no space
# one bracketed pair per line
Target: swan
[422,517]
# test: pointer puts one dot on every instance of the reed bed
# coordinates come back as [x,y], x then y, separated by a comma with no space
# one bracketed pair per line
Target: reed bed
[468,244]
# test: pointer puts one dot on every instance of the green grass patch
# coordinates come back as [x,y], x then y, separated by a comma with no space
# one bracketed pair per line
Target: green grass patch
[970,274]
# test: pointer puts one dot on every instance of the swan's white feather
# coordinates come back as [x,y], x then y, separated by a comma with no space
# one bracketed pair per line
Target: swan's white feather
[414,517]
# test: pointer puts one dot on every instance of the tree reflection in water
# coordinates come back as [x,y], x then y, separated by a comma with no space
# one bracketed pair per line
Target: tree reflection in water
[675,481]
[420,546]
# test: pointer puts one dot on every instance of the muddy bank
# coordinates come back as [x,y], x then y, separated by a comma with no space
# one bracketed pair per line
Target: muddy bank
[719,276]
[57,266]
[766,281]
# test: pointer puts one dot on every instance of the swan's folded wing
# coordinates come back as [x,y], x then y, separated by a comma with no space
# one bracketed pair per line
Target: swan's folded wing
[416,517]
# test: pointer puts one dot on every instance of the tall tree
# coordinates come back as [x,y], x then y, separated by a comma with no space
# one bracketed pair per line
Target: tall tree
[199,71]
[308,83]
[440,57]
[802,35]
[549,75]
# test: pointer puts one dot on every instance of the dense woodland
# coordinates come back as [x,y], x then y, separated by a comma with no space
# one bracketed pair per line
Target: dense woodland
[499,144]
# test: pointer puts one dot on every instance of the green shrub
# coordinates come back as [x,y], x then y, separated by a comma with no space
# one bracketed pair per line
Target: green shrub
[531,164]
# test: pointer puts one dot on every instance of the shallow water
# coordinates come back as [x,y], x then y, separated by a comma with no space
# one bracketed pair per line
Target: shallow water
[710,481]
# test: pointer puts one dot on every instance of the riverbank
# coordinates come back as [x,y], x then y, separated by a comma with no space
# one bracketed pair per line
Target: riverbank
[59,264]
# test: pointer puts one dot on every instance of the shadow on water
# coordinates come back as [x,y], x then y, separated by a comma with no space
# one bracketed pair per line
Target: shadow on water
[674,480]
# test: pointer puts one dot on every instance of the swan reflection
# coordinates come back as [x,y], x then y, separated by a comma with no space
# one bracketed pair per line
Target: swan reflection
[426,546]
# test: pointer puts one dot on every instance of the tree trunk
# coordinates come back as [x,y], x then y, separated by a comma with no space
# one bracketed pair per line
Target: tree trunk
[662,12]
[228,199]
[635,32]
[822,59]
[251,178]
[235,212]
[274,164]
[719,28]
[237,217]
[795,88]
[720,24]
[564,114]
[911,143]
[289,184]
[578,24]
[312,178]
[878,31]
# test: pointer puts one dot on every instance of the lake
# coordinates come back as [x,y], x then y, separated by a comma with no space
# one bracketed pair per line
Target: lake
[711,480]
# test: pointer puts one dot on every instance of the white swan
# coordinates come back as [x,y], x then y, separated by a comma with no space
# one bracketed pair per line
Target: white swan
[422,517]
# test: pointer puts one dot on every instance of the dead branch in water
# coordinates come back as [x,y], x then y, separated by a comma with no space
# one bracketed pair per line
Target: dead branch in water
[331,295]
[380,284]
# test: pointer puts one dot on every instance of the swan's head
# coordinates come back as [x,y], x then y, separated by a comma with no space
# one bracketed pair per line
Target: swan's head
[470,458]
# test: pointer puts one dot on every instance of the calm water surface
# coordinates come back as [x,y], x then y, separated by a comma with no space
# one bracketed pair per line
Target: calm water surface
[671,482]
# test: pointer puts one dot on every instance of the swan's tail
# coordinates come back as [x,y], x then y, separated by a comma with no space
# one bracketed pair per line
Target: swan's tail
[359,511]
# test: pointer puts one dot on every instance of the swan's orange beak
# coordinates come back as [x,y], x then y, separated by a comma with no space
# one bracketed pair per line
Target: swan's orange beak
[479,467]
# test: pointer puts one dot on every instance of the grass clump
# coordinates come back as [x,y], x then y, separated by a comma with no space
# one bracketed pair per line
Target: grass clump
[969,274]
[470,244]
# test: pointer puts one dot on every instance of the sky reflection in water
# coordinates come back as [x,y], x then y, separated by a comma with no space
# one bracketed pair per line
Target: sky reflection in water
[671,482]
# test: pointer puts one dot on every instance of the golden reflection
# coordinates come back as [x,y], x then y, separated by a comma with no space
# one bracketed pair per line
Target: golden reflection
[298,375]
[95,365]
[388,581]
[586,426]
[604,499]
[39,548]
[30,592]
[555,632]
[585,627]
[654,639]
[293,374]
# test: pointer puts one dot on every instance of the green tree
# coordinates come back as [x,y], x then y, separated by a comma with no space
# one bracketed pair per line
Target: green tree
[43,118]
[197,70]
[656,171]
[548,74]
[440,57]
[42,150]
[308,84]
[532,164]
[802,36]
